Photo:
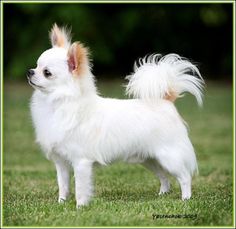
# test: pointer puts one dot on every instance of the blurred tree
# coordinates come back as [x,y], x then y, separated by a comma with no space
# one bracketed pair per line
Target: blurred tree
[118,34]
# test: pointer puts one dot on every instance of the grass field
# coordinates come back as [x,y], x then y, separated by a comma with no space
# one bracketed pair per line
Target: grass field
[126,195]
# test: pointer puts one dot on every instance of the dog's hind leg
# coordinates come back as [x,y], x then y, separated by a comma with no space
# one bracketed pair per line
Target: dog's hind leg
[155,167]
[181,163]
[185,185]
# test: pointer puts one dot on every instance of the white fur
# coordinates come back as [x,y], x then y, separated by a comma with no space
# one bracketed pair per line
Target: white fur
[74,126]
[154,77]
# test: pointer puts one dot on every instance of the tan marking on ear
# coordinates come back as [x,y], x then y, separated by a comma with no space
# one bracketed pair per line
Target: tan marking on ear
[171,96]
[78,59]
[58,36]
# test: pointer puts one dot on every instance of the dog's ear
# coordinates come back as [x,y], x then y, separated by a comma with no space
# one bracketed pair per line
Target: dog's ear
[78,60]
[60,37]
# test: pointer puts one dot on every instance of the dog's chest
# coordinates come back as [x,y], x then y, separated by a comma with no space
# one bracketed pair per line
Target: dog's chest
[48,127]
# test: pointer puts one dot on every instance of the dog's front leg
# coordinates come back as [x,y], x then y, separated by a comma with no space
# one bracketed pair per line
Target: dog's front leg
[63,177]
[83,181]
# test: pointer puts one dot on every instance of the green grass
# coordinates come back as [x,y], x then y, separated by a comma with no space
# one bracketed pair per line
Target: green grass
[125,195]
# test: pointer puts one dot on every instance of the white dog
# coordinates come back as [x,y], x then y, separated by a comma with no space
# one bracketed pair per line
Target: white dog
[76,127]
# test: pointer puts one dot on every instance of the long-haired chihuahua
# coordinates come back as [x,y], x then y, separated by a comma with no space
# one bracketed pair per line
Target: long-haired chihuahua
[76,127]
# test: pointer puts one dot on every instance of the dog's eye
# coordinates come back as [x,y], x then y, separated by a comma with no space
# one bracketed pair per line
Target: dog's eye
[46,73]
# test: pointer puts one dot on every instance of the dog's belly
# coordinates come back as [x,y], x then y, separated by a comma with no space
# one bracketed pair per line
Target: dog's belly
[135,159]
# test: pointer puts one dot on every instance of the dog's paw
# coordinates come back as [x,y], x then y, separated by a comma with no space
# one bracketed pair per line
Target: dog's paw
[61,200]
[164,189]
[82,202]
[161,192]
[186,197]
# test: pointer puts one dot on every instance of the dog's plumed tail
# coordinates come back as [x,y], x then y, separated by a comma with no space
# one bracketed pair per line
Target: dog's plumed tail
[168,77]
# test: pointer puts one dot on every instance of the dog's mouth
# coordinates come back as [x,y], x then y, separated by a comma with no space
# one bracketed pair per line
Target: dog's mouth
[34,85]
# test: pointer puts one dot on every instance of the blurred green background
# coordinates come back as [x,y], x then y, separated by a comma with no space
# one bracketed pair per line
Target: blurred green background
[118,34]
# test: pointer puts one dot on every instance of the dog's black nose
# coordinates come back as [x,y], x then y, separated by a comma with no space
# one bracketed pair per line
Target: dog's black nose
[30,73]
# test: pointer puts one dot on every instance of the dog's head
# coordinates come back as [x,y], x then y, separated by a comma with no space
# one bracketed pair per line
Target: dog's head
[61,64]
